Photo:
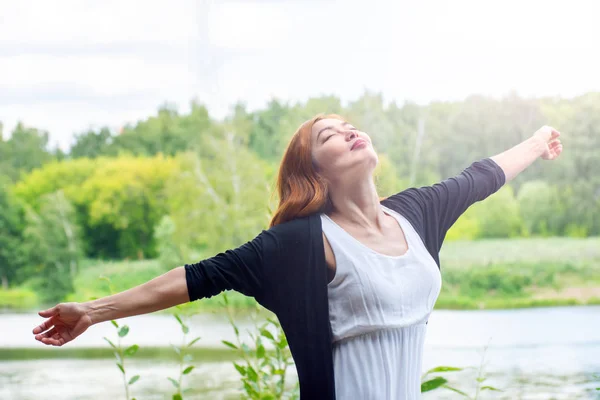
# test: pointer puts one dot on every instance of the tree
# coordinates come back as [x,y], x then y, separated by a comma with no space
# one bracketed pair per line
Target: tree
[12,225]
[53,245]
[92,144]
[25,150]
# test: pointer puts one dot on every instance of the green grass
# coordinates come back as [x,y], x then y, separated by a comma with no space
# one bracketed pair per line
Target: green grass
[163,353]
[464,254]
[498,273]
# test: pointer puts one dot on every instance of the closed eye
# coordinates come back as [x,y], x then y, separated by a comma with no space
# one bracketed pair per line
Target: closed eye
[351,128]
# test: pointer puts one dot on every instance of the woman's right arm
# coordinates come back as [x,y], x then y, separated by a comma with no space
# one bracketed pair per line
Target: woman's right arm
[66,321]
[164,291]
[240,269]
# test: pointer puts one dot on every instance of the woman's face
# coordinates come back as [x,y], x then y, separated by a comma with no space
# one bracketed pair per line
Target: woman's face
[341,152]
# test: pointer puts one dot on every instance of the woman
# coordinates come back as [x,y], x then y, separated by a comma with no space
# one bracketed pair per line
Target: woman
[351,278]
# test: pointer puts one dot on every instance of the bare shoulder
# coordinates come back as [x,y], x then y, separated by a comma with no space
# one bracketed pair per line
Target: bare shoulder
[329,258]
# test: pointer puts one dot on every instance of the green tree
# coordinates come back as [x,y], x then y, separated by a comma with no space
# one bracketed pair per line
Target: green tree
[539,208]
[92,144]
[12,225]
[126,196]
[53,244]
[25,150]
[499,215]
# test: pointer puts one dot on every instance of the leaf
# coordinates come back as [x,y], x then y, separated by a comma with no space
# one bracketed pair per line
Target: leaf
[111,343]
[443,369]
[246,348]
[267,396]
[432,384]
[118,357]
[185,329]
[267,334]
[188,358]
[490,388]
[123,331]
[178,319]
[121,367]
[278,372]
[188,370]
[174,382]
[456,390]
[134,379]
[131,350]
[112,321]
[226,343]
[252,375]
[177,396]
[177,349]
[190,344]
[283,342]
[260,351]
[240,369]
[249,389]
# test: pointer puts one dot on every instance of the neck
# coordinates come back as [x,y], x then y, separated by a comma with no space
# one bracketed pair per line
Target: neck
[356,203]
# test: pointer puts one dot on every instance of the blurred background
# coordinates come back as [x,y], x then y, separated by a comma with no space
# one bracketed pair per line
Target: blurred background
[139,136]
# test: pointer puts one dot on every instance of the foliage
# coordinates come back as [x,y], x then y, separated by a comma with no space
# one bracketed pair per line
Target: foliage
[183,355]
[265,364]
[12,226]
[53,246]
[171,253]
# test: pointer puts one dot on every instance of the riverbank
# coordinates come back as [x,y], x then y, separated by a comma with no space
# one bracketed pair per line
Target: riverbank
[484,274]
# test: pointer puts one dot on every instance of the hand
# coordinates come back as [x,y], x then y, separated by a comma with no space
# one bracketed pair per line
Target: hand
[65,322]
[552,146]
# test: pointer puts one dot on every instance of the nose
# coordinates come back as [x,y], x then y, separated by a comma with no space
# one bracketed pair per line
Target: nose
[350,134]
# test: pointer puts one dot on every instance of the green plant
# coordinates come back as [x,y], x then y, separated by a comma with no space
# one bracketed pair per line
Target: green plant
[121,353]
[184,358]
[263,371]
[441,382]
[438,381]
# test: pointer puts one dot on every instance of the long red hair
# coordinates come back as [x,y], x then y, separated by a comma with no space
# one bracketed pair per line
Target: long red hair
[302,191]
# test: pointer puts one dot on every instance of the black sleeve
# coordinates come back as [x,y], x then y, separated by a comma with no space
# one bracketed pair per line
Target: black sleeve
[445,201]
[240,269]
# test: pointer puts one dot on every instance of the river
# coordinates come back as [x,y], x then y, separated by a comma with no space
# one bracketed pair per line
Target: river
[536,353]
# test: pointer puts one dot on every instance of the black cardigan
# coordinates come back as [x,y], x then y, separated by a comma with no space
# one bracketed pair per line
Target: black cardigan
[284,267]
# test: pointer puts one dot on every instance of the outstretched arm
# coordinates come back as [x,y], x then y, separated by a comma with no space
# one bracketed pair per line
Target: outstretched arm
[239,269]
[441,204]
[544,143]
[66,321]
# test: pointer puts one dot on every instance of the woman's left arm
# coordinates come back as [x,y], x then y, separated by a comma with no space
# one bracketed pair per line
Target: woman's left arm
[544,143]
[441,204]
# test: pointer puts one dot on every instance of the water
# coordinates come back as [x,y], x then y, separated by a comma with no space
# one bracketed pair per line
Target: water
[541,353]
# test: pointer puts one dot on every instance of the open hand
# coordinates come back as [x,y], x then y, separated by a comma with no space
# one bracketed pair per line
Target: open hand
[65,322]
[549,137]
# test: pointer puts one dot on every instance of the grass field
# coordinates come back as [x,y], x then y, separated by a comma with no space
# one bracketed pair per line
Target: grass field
[500,273]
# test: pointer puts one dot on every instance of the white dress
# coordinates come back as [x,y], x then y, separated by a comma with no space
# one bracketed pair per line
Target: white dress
[378,308]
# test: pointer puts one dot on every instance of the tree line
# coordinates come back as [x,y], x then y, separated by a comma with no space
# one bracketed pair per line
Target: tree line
[184,185]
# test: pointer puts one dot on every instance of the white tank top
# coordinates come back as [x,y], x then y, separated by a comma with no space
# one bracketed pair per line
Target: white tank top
[378,309]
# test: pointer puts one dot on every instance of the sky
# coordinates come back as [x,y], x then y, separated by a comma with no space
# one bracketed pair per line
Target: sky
[68,66]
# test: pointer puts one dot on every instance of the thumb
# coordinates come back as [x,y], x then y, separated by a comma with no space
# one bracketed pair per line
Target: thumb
[49,312]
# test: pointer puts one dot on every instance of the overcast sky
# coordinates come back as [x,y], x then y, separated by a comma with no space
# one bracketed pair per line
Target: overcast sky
[66,66]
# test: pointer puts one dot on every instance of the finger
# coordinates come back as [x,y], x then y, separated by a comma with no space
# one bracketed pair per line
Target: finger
[49,312]
[554,133]
[554,142]
[53,342]
[47,324]
[48,334]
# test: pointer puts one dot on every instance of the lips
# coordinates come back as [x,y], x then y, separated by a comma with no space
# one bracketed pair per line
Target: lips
[357,142]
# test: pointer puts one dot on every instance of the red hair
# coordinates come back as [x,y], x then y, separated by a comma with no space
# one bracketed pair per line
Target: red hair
[302,191]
